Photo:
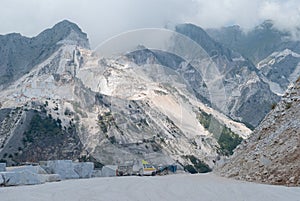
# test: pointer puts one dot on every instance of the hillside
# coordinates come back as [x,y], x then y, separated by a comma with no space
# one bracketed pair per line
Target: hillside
[182,103]
[78,105]
[246,92]
[271,154]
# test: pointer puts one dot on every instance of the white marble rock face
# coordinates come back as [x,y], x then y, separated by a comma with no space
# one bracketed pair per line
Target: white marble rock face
[64,168]
[2,167]
[84,170]
[21,178]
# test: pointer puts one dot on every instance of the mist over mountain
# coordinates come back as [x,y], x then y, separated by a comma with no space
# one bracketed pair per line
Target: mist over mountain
[273,52]
[256,44]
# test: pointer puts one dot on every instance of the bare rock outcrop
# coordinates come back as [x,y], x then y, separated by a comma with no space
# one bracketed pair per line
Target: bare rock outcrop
[271,154]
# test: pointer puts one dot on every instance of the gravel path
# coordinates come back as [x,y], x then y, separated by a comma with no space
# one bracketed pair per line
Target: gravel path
[206,187]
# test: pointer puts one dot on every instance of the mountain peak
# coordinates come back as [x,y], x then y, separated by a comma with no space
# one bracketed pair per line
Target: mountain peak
[67,25]
[267,24]
[191,29]
[201,37]
[65,32]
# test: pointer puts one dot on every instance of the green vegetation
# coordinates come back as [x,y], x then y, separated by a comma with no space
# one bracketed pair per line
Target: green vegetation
[227,139]
[204,119]
[105,120]
[288,106]
[41,126]
[198,165]
[112,139]
[273,106]
[190,169]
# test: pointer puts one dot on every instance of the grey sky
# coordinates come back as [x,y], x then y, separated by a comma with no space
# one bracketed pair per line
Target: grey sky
[101,19]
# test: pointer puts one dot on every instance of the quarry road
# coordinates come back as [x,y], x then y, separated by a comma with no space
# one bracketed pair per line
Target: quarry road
[183,187]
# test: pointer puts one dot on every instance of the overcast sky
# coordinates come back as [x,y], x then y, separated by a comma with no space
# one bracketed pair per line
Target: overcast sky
[102,19]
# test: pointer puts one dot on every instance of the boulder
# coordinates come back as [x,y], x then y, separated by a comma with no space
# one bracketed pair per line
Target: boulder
[52,177]
[2,167]
[109,171]
[1,180]
[43,164]
[64,168]
[34,169]
[97,173]
[84,170]
[21,178]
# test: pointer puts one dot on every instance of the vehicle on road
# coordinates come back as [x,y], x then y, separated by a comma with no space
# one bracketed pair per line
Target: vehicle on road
[147,169]
[136,167]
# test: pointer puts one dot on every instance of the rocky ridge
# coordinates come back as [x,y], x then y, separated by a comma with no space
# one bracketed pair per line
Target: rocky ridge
[104,110]
[274,53]
[271,154]
[19,54]
[246,93]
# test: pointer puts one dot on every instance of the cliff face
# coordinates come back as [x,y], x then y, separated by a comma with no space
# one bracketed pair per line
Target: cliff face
[271,154]
[20,54]
[247,94]
[76,105]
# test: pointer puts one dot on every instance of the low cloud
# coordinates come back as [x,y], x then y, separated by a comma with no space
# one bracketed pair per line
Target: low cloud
[285,15]
[102,19]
